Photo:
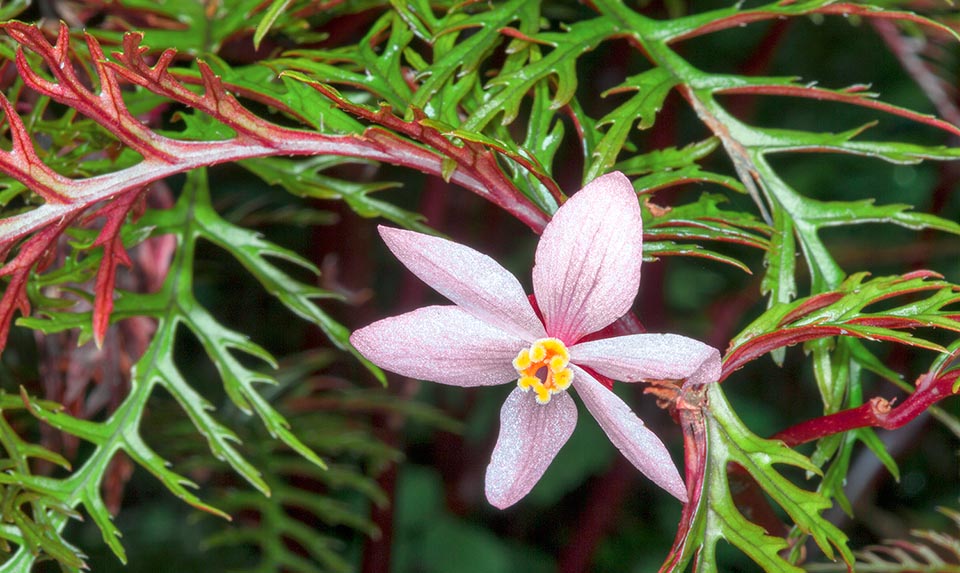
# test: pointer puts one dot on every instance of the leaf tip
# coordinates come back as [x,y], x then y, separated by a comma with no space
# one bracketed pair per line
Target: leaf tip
[26,401]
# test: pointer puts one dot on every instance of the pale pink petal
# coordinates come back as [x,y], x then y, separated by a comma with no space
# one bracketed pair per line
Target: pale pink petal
[639,357]
[531,434]
[639,445]
[587,267]
[470,279]
[443,344]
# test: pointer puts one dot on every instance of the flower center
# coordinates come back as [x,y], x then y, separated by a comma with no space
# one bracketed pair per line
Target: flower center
[550,356]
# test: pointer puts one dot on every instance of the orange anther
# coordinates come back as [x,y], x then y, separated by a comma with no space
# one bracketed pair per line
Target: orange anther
[551,356]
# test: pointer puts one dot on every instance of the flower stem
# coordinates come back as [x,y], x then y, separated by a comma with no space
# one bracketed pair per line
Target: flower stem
[877,412]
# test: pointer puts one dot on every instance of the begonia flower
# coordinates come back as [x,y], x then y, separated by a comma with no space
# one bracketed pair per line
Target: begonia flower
[586,276]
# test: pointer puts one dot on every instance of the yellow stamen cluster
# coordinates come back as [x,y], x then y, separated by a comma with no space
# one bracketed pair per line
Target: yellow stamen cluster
[549,354]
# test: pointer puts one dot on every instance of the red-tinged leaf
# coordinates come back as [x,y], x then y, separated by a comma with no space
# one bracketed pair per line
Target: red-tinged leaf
[703,230]
[518,35]
[107,107]
[693,224]
[812,304]
[756,347]
[890,335]
[900,322]
[113,253]
[476,167]
[33,38]
[924,71]
[845,312]
[915,288]
[214,101]
[867,11]
[655,249]
[528,162]
[851,96]
[471,159]
[475,160]
[32,252]
[245,90]
[23,164]
[919,274]
[713,23]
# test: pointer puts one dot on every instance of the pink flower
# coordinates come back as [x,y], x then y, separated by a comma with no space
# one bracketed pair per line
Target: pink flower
[586,276]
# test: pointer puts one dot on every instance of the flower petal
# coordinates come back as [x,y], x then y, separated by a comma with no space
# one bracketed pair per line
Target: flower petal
[639,357]
[587,268]
[531,434]
[470,279]
[640,445]
[443,344]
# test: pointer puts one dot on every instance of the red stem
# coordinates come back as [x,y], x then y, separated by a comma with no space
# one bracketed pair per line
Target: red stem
[691,406]
[877,413]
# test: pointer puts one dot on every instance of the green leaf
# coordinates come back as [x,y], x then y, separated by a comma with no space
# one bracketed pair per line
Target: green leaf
[461,59]
[671,166]
[927,551]
[263,83]
[269,18]
[844,312]
[252,251]
[506,91]
[651,87]
[332,508]
[381,74]
[698,222]
[304,178]
[193,28]
[12,8]
[730,441]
